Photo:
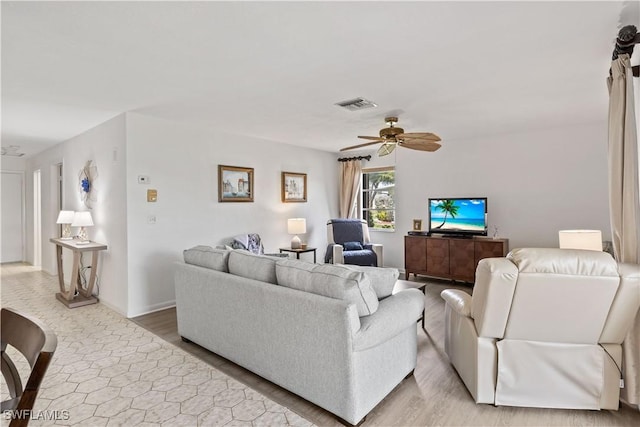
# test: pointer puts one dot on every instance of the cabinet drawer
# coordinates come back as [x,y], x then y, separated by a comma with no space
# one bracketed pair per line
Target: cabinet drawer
[462,264]
[415,253]
[489,249]
[438,257]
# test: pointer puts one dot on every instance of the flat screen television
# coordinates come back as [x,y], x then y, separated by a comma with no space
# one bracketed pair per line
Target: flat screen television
[458,216]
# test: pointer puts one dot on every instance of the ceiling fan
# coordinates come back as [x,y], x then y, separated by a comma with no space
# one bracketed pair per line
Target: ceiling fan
[392,136]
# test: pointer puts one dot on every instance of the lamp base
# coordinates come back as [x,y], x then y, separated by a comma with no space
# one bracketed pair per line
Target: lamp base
[296,243]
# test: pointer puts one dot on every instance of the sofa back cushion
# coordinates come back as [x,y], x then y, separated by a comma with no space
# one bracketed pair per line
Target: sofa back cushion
[294,274]
[257,267]
[208,257]
[331,281]
[382,279]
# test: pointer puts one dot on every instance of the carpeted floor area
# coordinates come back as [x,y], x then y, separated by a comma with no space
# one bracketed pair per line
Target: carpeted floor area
[108,371]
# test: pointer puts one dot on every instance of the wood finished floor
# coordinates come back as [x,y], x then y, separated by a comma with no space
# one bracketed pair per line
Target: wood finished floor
[434,396]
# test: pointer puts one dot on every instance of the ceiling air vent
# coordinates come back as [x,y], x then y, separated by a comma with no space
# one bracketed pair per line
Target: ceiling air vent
[356,104]
[12,151]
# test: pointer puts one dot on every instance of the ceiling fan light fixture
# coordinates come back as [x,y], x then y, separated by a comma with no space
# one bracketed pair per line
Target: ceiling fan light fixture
[392,136]
[386,148]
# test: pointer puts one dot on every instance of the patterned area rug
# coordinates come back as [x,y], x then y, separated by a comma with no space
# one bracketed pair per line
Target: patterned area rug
[109,371]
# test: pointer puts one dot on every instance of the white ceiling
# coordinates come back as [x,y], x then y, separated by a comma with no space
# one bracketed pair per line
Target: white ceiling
[274,70]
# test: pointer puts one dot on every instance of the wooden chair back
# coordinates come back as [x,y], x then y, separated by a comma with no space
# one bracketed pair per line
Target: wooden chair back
[37,343]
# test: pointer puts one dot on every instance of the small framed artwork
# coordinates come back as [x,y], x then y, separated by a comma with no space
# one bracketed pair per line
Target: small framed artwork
[294,187]
[417,225]
[235,184]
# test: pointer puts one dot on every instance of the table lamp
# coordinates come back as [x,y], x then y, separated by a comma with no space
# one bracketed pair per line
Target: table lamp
[580,239]
[82,220]
[296,226]
[65,218]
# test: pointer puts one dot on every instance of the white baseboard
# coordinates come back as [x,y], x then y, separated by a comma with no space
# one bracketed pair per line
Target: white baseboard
[111,306]
[153,308]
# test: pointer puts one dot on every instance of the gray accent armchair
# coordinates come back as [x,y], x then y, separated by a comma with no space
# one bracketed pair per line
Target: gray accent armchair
[349,243]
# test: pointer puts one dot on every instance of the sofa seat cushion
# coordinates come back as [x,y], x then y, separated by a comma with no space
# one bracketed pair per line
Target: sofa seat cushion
[333,281]
[360,257]
[251,266]
[208,257]
[382,279]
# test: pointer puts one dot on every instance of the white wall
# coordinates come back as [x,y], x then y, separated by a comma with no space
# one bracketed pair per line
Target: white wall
[105,146]
[182,163]
[536,182]
[13,165]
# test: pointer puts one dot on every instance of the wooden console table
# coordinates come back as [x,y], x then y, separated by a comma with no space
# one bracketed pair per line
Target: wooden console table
[449,257]
[84,297]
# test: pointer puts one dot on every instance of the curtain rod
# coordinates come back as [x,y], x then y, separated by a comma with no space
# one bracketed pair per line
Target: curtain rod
[628,36]
[346,159]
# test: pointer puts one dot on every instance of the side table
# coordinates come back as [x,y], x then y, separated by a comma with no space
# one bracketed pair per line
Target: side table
[84,297]
[300,251]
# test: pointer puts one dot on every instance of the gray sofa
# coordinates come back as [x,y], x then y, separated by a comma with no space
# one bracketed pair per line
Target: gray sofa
[331,334]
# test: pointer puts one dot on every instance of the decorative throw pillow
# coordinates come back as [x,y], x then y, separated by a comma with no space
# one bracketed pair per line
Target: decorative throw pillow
[352,246]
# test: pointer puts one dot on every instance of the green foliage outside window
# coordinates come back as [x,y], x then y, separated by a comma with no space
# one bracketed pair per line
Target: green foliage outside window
[378,207]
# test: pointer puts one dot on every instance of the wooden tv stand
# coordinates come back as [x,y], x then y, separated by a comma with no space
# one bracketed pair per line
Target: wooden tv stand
[449,257]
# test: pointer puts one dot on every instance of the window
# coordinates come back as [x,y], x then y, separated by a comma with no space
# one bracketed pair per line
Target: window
[378,207]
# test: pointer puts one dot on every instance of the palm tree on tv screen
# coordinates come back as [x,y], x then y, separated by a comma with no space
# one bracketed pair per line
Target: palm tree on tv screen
[448,207]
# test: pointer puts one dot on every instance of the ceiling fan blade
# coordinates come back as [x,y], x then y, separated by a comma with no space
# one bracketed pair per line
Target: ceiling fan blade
[420,135]
[373,138]
[360,145]
[386,149]
[422,145]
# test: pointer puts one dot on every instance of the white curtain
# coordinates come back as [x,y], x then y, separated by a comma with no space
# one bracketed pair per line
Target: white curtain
[624,201]
[350,178]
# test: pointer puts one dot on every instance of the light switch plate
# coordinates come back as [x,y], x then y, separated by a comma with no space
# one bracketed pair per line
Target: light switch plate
[152,195]
[143,179]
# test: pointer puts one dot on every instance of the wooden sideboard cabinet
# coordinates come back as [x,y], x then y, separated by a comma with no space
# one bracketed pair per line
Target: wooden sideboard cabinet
[449,257]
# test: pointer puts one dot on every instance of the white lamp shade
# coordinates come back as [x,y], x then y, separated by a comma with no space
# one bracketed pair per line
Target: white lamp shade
[581,239]
[82,219]
[65,217]
[296,225]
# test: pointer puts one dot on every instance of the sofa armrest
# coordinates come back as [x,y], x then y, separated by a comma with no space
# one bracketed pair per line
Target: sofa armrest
[337,255]
[395,314]
[459,301]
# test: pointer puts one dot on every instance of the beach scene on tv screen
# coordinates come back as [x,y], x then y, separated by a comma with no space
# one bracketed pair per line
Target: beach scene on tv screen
[458,214]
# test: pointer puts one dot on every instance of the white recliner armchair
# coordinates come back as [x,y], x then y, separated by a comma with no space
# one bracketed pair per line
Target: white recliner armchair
[543,328]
